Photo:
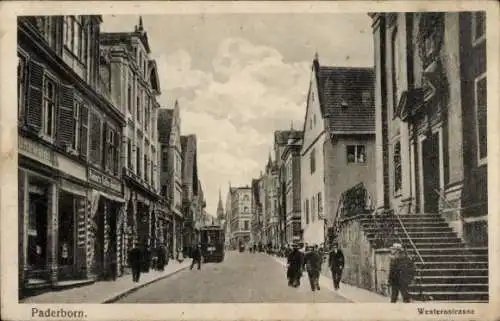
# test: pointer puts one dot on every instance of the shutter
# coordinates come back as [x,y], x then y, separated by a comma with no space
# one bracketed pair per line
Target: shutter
[95,137]
[65,122]
[117,146]
[35,100]
[84,130]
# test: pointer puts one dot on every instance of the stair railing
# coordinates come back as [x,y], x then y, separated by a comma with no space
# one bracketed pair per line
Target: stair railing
[415,249]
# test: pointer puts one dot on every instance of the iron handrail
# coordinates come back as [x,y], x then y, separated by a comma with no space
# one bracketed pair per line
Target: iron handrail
[408,237]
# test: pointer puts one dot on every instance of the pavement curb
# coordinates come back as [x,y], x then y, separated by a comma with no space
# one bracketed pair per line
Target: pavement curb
[117,297]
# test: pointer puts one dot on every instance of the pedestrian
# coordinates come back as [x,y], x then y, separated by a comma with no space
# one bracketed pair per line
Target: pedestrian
[312,263]
[135,262]
[295,262]
[401,273]
[180,255]
[196,256]
[336,264]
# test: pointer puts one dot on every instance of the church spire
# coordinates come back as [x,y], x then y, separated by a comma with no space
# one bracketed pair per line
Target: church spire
[141,28]
[220,208]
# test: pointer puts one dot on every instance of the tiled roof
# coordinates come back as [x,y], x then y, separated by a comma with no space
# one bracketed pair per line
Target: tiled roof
[165,118]
[346,98]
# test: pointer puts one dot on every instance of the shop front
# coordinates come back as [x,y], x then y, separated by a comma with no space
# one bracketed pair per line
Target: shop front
[52,225]
[107,211]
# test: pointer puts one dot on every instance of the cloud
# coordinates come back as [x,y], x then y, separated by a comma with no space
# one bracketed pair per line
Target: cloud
[235,108]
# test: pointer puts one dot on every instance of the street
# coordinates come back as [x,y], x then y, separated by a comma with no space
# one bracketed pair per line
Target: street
[241,278]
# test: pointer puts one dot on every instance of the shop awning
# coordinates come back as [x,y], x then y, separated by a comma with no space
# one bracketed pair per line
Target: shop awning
[112,197]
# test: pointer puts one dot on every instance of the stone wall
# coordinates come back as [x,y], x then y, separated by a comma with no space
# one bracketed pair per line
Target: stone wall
[382,260]
[359,267]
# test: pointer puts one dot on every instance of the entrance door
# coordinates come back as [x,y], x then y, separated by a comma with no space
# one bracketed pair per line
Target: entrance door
[431,173]
[113,240]
[99,239]
[37,236]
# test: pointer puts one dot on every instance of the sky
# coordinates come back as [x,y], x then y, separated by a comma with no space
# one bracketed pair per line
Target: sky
[240,77]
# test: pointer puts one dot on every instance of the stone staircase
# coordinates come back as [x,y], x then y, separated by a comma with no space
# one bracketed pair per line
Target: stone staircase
[451,271]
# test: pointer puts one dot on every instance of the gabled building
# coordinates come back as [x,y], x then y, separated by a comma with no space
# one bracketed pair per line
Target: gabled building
[241,215]
[69,176]
[134,84]
[292,206]
[169,135]
[339,143]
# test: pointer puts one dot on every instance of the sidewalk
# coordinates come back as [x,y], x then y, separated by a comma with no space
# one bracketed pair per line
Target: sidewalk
[107,291]
[350,292]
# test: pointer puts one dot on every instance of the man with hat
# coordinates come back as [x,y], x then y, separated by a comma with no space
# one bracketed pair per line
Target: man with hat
[295,262]
[336,264]
[312,262]
[401,273]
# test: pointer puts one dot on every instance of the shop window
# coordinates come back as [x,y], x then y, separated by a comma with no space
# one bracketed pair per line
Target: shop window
[478,27]
[356,154]
[312,161]
[49,106]
[66,230]
[481,118]
[397,167]
[37,227]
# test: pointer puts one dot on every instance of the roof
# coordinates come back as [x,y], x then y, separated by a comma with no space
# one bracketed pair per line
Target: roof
[281,137]
[346,98]
[165,120]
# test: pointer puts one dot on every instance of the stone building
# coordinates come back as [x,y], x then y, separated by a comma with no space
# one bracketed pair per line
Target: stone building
[292,206]
[431,117]
[135,85]
[338,145]
[271,208]
[70,192]
[256,209]
[169,136]
[240,215]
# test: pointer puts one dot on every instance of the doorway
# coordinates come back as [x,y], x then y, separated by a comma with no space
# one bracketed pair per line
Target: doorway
[431,173]
[66,236]
[99,239]
[37,229]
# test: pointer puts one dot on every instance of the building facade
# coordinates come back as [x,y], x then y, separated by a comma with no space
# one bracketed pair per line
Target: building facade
[431,117]
[135,85]
[169,135]
[70,192]
[256,209]
[339,137]
[292,187]
[271,205]
[241,215]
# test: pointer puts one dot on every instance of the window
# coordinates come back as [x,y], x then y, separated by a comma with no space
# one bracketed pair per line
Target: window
[138,106]
[320,206]
[129,153]
[146,118]
[245,209]
[312,158]
[356,154]
[84,129]
[49,106]
[164,161]
[481,118]
[245,224]
[478,27]
[129,95]
[76,37]
[397,167]
[146,176]
[152,170]
[76,125]
[394,69]
[313,208]
[21,86]
[307,211]
[138,161]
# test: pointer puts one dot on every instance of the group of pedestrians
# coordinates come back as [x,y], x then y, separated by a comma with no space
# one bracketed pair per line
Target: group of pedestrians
[141,259]
[311,260]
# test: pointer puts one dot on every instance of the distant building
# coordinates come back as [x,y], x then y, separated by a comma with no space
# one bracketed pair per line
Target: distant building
[292,187]
[191,188]
[256,209]
[169,135]
[271,208]
[241,215]
[339,143]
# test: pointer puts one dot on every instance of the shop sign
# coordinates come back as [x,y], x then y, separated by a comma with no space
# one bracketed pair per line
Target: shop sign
[37,151]
[104,180]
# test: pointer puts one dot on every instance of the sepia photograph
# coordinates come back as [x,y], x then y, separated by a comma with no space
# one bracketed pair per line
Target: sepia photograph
[235,157]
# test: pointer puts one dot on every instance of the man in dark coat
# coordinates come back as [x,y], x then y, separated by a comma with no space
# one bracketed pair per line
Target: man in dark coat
[401,273]
[295,262]
[336,264]
[312,263]
[196,256]
[135,262]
